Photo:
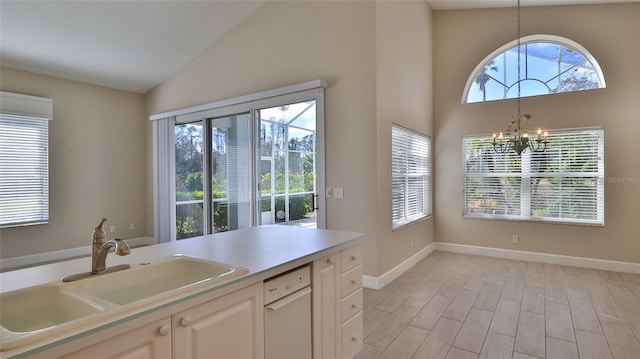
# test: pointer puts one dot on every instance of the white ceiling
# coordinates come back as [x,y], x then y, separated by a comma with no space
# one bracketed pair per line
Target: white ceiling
[135,45]
[128,45]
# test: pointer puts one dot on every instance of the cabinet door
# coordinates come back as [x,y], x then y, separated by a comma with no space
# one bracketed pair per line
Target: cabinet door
[326,308]
[228,327]
[151,341]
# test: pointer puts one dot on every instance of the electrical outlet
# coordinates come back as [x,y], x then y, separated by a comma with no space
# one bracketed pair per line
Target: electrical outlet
[515,239]
[132,226]
[112,228]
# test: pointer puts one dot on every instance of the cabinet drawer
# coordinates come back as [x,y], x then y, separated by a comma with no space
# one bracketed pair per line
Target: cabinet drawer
[352,336]
[351,304]
[351,257]
[351,281]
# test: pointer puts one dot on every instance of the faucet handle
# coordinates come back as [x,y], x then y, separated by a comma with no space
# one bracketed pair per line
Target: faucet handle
[99,234]
[99,226]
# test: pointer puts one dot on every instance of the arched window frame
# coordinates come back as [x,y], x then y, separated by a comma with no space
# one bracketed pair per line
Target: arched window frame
[537,38]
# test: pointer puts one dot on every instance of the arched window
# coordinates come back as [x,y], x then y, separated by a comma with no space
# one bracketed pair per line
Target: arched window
[548,64]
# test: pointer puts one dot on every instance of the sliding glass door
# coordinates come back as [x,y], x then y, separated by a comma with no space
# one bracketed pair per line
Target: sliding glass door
[230,172]
[237,169]
[288,164]
[189,171]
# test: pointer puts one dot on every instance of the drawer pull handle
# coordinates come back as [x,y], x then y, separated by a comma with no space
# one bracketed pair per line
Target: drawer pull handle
[164,330]
[329,261]
[353,281]
[185,322]
[354,339]
[354,306]
[353,258]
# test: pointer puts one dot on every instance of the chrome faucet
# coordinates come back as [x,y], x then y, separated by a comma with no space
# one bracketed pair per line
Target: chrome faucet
[100,248]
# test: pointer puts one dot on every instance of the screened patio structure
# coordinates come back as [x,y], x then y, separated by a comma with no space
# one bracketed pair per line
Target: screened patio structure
[287,164]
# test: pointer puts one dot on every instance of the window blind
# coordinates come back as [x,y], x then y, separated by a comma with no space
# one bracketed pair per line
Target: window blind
[24,159]
[411,176]
[24,170]
[563,184]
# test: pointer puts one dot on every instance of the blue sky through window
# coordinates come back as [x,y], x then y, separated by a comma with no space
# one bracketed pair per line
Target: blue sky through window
[545,68]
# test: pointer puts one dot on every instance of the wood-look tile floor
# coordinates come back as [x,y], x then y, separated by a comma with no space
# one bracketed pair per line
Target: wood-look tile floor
[465,306]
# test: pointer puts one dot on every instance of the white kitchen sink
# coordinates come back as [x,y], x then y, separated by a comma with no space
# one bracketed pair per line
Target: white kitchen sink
[146,281]
[37,312]
[41,307]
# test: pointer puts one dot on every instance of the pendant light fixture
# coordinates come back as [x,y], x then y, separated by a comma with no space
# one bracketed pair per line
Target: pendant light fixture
[519,141]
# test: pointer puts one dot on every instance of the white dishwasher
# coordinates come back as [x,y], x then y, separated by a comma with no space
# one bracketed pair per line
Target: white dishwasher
[287,315]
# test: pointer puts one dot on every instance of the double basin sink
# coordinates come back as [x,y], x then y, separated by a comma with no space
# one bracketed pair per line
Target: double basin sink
[41,311]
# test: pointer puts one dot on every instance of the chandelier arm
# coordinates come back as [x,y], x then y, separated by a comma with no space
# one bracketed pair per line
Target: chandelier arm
[539,146]
[502,148]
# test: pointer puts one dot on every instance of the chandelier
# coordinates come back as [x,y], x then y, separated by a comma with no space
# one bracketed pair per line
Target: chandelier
[519,141]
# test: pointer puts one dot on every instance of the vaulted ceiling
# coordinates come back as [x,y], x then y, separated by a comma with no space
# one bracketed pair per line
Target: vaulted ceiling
[128,45]
[134,45]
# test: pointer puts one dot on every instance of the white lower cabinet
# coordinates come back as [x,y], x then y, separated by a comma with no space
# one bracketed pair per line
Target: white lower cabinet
[228,327]
[151,341]
[325,313]
[337,308]
[232,326]
[352,336]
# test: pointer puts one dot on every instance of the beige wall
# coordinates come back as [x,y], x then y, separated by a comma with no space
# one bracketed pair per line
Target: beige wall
[288,42]
[404,96]
[96,164]
[610,32]
[348,45]
[377,59]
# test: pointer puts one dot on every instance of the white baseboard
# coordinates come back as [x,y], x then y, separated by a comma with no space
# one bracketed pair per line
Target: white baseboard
[593,263]
[41,258]
[389,276]
[395,272]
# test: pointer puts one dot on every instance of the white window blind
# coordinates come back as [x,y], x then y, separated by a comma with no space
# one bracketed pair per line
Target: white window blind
[24,160]
[563,184]
[411,176]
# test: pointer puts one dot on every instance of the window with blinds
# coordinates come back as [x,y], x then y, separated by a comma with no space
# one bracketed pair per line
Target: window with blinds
[24,160]
[564,184]
[411,176]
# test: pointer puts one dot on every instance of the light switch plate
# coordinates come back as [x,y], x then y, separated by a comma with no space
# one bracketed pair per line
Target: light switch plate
[338,193]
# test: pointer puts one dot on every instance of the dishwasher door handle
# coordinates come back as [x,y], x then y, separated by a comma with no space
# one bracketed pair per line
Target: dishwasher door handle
[288,299]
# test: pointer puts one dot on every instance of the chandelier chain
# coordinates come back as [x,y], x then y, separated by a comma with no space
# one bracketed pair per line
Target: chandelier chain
[518,44]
